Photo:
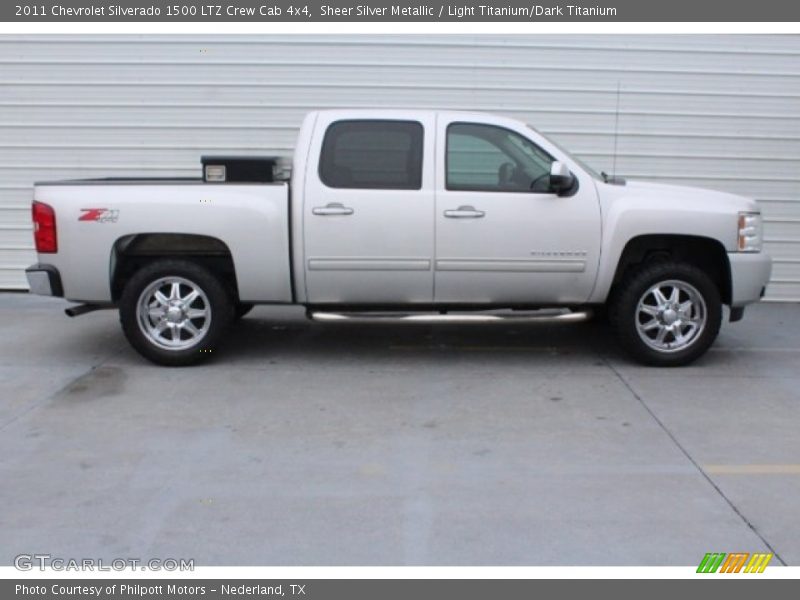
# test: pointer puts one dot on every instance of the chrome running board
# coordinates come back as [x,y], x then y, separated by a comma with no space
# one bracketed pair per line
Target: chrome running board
[429,318]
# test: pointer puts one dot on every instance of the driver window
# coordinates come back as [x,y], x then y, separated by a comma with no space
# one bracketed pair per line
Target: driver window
[487,158]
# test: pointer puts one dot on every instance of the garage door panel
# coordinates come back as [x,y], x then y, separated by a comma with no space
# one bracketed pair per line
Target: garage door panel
[15,217]
[683,143]
[775,209]
[197,133]
[787,270]
[782,291]
[396,75]
[782,229]
[782,249]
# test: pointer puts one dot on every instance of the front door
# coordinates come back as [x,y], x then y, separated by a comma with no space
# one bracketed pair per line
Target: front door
[501,236]
[368,212]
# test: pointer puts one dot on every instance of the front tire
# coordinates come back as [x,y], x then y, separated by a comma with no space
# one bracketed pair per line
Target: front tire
[666,314]
[174,312]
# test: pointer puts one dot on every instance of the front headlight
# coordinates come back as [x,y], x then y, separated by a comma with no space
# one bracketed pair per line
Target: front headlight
[750,232]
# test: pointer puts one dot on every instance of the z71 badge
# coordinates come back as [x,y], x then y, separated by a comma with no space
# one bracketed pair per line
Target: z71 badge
[99,215]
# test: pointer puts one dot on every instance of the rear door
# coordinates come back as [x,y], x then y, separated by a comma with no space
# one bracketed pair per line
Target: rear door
[368,210]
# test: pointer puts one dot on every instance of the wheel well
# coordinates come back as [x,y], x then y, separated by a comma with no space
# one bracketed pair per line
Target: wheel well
[706,254]
[132,252]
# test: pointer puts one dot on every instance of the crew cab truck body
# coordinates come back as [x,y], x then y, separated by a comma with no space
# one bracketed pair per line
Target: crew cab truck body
[406,211]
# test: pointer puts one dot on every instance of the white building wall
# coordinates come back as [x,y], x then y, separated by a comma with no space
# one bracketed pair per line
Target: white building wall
[715,111]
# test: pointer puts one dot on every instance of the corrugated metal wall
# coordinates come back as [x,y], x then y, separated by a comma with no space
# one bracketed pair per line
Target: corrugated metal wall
[715,111]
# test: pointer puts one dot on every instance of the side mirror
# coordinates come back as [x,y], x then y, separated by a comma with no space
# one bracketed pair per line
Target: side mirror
[561,180]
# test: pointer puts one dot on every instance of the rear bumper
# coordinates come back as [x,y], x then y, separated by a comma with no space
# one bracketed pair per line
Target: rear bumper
[44,280]
[750,273]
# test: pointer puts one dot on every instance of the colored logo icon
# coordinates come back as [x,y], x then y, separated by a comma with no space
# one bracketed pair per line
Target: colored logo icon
[735,562]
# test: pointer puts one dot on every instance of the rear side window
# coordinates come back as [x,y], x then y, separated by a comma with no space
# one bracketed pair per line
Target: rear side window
[373,155]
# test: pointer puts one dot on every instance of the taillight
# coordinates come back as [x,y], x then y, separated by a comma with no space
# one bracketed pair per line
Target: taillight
[44,228]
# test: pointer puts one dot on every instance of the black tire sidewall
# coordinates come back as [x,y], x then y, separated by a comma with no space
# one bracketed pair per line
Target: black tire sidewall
[624,304]
[218,298]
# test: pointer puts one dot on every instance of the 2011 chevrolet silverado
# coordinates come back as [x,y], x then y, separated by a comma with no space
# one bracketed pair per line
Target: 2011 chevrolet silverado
[419,214]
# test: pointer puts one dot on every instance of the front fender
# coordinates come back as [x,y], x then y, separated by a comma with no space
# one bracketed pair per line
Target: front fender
[627,220]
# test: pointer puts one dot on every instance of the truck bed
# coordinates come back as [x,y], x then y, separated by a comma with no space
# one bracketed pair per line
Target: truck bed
[251,220]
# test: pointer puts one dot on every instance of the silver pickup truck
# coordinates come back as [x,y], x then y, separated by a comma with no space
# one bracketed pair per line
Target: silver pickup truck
[414,214]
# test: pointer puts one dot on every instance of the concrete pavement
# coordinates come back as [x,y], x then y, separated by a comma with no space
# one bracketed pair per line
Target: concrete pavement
[335,444]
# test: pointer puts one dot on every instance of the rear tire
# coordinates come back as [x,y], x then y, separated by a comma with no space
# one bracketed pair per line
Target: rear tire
[174,312]
[666,314]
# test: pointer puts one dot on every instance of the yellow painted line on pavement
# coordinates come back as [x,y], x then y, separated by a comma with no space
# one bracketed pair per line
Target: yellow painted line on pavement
[788,469]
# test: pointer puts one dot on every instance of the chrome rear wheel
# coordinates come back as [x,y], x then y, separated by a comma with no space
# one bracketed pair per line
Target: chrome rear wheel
[174,313]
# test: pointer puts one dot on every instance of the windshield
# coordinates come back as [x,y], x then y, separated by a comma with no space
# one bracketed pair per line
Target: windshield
[583,165]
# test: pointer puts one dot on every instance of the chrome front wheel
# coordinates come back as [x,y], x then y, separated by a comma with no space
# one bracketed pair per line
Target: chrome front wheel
[671,315]
[666,313]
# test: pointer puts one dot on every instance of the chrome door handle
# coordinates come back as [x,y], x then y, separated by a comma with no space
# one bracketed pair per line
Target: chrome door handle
[464,212]
[333,208]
